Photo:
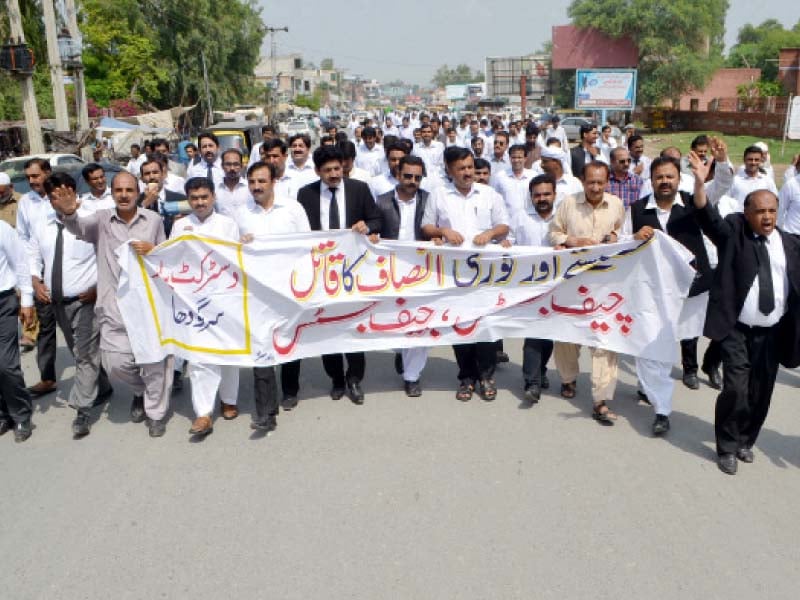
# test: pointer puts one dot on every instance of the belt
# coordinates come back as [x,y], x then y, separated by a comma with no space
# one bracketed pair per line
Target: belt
[753,328]
[68,300]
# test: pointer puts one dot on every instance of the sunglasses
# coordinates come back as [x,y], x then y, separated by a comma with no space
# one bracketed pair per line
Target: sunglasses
[409,177]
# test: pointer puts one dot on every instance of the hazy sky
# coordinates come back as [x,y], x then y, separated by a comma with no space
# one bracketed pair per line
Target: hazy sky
[410,39]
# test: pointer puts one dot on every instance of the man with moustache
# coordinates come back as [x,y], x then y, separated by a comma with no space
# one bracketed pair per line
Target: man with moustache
[402,210]
[513,184]
[210,165]
[430,151]
[233,192]
[369,153]
[301,167]
[99,194]
[752,311]
[107,229]
[586,151]
[275,152]
[208,379]
[529,227]
[386,182]
[333,203]
[463,211]
[566,185]
[155,195]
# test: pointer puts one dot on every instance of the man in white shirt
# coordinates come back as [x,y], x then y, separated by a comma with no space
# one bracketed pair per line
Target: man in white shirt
[529,227]
[270,214]
[210,165]
[275,152]
[554,130]
[301,167]
[69,285]
[267,133]
[99,194]
[512,184]
[606,143]
[233,192]
[640,164]
[430,151]
[789,206]
[566,185]
[137,158]
[499,160]
[752,179]
[155,195]
[34,208]
[386,182]
[369,153]
[16,407]
[465,211]
[349,169]
[390,128]
[208,379]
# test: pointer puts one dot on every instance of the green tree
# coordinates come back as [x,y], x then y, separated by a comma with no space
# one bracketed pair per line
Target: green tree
[461,74]
[680,42]
[758,47]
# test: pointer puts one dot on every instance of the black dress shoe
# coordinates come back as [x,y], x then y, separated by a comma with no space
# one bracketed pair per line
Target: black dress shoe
[6,426]
[398,363]
[413,390]
[137,409]
[745,455]
[177,381]
[727,463]
[545,384]
[502,357]
[266,424]
[80,426]
[22,431]
[690,381]
[661,425]
[355,392]
[157,427]
[533,391]
[289,402]
[337,392]
[643,397]
[714,378]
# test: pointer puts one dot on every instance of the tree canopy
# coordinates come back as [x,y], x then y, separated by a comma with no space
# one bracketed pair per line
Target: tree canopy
[680,42]
[461,74]
[758,47]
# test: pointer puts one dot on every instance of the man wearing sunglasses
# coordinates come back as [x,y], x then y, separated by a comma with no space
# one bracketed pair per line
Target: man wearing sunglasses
[402,209]
[622,183]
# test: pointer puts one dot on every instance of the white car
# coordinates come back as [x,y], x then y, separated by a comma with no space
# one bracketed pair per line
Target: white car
[299,126]
[15,166]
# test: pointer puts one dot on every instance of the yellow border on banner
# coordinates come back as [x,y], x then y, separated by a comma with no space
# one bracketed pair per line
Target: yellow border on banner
[151,300]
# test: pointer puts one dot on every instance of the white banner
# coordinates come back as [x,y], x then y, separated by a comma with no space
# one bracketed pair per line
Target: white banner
[296,296]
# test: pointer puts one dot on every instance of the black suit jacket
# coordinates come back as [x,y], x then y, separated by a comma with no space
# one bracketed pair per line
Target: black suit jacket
[390,212]
[578,160]
[735,274]
[169,196]
[683,227]
[358,200]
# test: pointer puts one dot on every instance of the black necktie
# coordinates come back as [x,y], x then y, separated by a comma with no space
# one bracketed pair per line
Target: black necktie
[766,294]
[333,214]
[57,279]
[210,173]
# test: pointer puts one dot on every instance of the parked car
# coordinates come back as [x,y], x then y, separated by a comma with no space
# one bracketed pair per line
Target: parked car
[15,166]
[74,170]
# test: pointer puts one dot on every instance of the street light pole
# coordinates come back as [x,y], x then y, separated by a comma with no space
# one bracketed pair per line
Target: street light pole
[273,68]
[56,70]
[32,123]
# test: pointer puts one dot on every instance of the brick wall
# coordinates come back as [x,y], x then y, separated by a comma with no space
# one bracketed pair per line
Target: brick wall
[722,85]
[789,70]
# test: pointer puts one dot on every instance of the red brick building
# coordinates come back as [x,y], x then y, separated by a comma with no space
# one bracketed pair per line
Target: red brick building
[789,70]
[722,85]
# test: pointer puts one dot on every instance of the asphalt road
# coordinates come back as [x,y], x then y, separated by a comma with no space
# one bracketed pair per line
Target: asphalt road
[402,498]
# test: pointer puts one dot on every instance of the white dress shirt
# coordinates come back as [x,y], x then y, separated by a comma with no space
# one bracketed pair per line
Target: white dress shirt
[200,169]
[744,184]
[642,160]
[567,186]
[229,201]
[529,229]
[408,210]
[383,183]
[14,271]
[255,154]
[31,209]
[432,156]
[135,165]
[284,216]
[216,225]
[360,175]
[370,160]
[175,183]
[79,262]
[92,202]
[750,314]
[286,187]
[325,195]
[302,175]
[606,147]
[789,206]
[480,210]
[514,189]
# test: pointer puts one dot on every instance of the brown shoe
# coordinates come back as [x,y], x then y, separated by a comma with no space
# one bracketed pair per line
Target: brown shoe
[229,411]
[202,426]
[42,388]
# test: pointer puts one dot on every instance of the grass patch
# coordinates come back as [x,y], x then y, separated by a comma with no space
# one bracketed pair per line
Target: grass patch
[736,144]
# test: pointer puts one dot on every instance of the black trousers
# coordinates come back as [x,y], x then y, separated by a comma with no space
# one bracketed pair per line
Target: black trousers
[266,392]
[334,367]
[476,361]
[46,341]
[750,365]
[15,402]
[711,359]
[535,355]
[290,378]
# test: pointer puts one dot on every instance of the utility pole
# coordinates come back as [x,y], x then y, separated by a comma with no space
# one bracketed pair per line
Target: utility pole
[56,71]
[81,104]
[273,68]
[32,123]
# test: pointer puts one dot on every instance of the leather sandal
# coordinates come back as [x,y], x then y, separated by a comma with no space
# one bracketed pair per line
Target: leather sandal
[602,414]
[488,389]
[568,389]
[465,389]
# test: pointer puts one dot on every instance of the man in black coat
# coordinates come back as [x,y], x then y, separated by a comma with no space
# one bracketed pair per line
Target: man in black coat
[335,202]
[753,311]
[402,209]
[586,151]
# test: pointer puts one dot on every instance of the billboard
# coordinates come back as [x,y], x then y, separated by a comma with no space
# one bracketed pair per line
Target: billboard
[613,89]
